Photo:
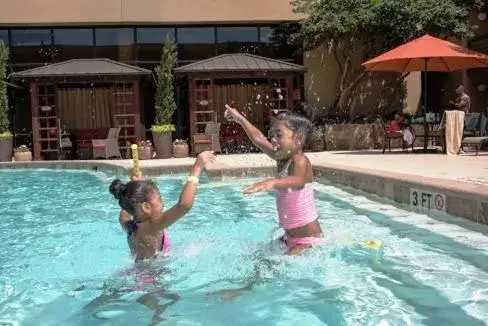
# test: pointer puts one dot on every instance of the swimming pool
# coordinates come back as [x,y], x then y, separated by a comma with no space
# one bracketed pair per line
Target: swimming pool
[62,254]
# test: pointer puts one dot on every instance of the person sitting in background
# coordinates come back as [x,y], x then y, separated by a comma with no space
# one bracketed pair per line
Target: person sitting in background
[400,125]
[463,101]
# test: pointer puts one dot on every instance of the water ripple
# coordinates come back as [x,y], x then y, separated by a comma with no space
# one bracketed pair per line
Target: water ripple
[64,260]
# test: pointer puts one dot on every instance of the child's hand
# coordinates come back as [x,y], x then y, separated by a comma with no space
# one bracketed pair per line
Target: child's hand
[136,176]
[265,185]
[231,114]
[204,158]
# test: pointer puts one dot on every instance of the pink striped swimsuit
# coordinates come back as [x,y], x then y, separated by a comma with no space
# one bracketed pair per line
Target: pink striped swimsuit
[296,208]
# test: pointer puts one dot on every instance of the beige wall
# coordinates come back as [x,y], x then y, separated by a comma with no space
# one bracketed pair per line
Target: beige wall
[59,12]
[374,91]
[323,78]
[413,94]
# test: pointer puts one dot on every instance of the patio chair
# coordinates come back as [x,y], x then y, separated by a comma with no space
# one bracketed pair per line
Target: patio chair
[394,135]
[108,147]
[439,132]
[471,124]
[480,135]
[209,140]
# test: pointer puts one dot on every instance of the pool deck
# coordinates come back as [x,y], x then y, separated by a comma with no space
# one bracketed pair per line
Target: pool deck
[462,181]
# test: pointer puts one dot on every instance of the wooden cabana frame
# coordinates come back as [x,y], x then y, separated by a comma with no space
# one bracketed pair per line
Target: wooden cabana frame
[278,88]
[122,80]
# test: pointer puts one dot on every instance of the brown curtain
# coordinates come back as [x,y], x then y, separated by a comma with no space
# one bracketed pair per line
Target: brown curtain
[249,99]
[85,108]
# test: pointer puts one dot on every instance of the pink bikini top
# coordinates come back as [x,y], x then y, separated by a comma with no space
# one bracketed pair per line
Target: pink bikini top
[296,208]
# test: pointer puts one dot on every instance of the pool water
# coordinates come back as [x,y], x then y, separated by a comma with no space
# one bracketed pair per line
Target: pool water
[63,258]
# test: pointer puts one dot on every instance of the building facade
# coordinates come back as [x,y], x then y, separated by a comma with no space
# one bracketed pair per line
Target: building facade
[133,31]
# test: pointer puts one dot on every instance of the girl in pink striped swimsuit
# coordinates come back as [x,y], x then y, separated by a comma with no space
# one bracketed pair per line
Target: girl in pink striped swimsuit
[294,195]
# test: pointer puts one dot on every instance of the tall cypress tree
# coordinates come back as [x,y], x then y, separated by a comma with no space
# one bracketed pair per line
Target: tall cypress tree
[164,98]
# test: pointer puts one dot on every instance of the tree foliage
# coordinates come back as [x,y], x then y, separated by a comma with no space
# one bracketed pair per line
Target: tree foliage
[164,98]
[370,27]
[4,120]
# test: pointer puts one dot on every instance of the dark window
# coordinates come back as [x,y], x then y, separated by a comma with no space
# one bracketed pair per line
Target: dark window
[73,44]
[4,36]
[237,40]
[150,42]
[183,112]
[21,119]
[196,43]
[148,89]
[280,42]
[115,43]
[31,45]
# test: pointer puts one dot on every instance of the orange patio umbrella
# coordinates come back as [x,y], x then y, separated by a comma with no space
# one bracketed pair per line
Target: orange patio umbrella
[427,53]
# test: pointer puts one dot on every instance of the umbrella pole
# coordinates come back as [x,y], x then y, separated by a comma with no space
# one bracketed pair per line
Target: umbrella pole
[425,106]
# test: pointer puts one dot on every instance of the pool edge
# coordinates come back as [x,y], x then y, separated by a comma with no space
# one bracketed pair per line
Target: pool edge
[465,200]
[469,201]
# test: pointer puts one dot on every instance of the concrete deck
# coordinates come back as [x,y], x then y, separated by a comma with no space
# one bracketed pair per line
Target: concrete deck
[462,181]
[467,168]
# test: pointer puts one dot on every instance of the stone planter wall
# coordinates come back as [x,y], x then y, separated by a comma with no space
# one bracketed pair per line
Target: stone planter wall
[347,137]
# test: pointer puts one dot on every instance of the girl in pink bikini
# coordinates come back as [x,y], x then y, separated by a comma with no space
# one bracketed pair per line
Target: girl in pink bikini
[142,214]
[294,195]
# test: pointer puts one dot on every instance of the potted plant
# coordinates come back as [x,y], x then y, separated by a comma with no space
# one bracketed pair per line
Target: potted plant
[145,149]
[22,154]
[180,148]
[317,141]
[6,138]
[164,100]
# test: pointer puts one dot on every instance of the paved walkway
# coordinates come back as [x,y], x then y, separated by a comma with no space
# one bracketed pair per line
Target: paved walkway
[466,168]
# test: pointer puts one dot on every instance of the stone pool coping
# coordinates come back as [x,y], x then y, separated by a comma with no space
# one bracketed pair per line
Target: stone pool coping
[462,199]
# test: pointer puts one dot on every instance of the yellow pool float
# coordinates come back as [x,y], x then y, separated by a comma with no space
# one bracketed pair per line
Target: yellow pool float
[372,244]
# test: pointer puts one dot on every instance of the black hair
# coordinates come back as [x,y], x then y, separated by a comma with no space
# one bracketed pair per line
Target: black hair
[299,124]
[301,108]
[131,194]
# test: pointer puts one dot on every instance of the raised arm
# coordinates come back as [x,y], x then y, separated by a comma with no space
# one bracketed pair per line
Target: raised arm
[296,180]
[188,193]
[252,132]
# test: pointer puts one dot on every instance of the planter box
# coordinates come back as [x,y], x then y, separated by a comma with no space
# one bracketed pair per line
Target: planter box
[163,144]
[6,149]
[145,153]
[23,156]
[180,150]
